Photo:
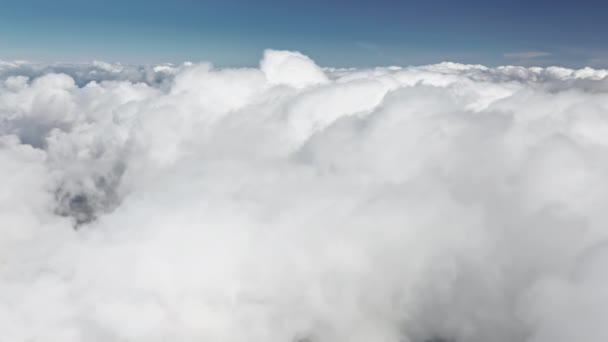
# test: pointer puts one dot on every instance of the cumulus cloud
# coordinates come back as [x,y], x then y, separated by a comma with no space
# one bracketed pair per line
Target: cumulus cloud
[290,202]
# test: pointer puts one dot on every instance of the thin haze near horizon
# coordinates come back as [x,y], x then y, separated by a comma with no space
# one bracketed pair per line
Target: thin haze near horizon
[340,33]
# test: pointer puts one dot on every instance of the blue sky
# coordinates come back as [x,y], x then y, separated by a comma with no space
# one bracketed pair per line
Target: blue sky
[336,33]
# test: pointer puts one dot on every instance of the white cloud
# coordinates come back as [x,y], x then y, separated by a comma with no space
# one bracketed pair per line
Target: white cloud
[291,68]
[292,203]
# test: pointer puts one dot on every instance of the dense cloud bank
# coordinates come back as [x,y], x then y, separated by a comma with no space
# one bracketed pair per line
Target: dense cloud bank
[294,203]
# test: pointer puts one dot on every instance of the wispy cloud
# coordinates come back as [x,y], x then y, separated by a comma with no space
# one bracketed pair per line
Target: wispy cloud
[370,47]
[527,54]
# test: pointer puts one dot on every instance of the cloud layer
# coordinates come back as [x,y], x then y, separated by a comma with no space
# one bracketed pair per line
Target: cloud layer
[296,203]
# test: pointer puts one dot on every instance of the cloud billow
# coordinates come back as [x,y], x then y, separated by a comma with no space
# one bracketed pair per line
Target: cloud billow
[291,202]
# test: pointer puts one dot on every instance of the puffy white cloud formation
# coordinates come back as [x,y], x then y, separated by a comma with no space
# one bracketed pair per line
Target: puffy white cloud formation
[293,203]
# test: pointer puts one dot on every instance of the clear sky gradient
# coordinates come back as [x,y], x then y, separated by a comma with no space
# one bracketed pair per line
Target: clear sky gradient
[334,33]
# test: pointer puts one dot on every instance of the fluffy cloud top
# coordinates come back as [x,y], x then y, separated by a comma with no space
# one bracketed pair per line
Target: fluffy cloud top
[293,203]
